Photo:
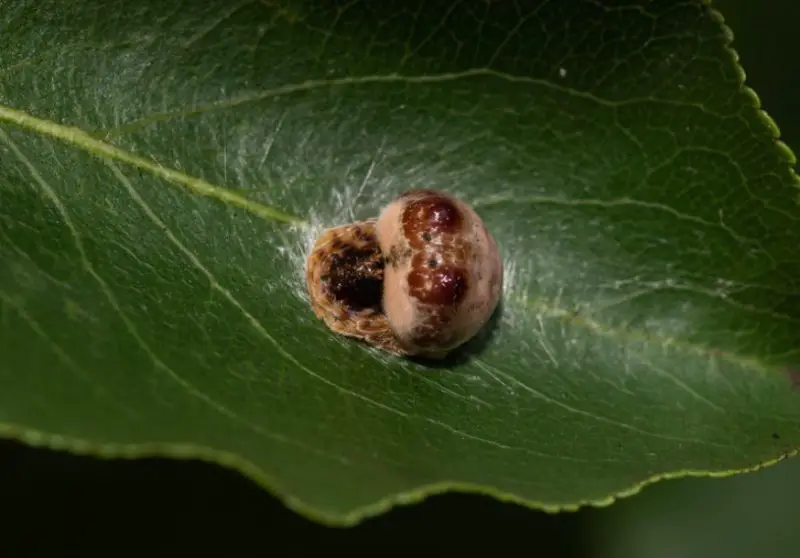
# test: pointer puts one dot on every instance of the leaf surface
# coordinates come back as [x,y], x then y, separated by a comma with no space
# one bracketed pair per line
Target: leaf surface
[166,166]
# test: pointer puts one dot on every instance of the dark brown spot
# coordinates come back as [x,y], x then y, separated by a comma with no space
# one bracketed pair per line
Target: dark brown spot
[432,263]
[443,215]
[337,244]
[356,278]
[444,286]
[430,215]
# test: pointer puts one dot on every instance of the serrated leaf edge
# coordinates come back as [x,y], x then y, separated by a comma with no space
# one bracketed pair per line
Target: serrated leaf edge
[77,446]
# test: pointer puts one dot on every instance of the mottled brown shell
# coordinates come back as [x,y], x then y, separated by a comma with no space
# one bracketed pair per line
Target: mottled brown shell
[344,275]
[443,274]
[422,279]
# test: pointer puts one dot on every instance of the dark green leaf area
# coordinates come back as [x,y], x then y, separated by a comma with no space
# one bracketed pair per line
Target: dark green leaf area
[152,294]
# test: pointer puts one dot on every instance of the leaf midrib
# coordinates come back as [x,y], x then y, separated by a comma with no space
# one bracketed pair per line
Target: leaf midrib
[80,139]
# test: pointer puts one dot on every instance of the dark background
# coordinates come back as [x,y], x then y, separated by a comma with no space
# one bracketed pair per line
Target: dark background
[68,505]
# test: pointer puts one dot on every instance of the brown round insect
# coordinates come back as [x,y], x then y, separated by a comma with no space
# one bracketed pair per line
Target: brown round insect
[422,279]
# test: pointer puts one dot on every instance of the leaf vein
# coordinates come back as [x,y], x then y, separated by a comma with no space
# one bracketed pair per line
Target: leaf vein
[527,451]
[503,199]
[599,418]
[76,137]
[313,84]
[225,15]
[683,385]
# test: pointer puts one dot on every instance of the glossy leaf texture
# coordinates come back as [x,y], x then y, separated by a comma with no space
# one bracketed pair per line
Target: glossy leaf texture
[166,166]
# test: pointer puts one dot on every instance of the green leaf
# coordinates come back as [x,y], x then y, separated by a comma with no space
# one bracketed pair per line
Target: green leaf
[165,167]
